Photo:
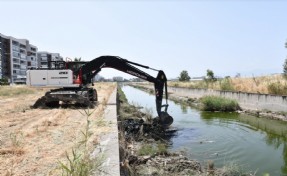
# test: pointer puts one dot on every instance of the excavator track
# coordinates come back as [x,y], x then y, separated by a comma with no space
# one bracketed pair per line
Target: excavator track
[84,98]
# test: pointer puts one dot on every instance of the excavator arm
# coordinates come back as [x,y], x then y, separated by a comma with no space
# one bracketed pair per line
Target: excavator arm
[90,69]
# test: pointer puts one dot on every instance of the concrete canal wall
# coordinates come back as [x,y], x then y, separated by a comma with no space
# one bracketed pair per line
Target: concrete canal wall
[251,101]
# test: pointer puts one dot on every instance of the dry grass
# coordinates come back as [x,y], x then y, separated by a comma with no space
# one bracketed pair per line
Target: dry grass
[10,91]
[32,141]
[252,85]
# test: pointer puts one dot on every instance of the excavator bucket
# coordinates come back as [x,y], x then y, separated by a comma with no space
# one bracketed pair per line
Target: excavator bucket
[165,119]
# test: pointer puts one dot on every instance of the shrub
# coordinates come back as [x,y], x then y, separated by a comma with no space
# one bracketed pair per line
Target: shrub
[215,103]
[277,88]
[4,81]
[226,84]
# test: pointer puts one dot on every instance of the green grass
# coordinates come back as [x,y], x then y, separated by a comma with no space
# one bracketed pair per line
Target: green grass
[216,103]
[149,149]
[121,95]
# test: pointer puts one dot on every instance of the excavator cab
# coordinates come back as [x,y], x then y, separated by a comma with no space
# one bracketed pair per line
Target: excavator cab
[75,67]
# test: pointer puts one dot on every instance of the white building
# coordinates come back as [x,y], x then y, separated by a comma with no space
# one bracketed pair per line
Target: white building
[45,58]
[17,55]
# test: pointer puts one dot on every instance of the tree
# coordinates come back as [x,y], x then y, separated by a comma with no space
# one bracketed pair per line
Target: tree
[77,59]
[285,65]
[238,75]
[184,76]
[210,75]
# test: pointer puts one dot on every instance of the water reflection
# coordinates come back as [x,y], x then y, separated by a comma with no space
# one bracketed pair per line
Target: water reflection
[183,108]
[275,131]
[256,143]
[284,167]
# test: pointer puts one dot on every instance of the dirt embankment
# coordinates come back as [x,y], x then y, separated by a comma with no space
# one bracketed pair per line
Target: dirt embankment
[33,141]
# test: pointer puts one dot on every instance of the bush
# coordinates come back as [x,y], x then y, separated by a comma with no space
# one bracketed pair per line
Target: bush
[277,88]
[4,82]
[226,84]
[215,103]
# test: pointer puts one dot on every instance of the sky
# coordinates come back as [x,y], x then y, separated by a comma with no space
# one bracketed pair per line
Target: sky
[225,36]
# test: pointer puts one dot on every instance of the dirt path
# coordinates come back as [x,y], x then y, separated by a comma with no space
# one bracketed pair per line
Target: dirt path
[32,141]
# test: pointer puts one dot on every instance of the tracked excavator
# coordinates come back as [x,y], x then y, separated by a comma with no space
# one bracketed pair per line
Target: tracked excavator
[73,80]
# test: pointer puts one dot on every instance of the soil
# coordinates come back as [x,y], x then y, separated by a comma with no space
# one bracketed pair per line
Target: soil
[33,141]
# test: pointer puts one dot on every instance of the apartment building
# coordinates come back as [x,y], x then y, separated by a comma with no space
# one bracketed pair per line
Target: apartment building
[4,57]
[45,58]
[17,55]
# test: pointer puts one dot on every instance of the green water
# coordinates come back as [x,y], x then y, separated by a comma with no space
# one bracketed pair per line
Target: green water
[254,144]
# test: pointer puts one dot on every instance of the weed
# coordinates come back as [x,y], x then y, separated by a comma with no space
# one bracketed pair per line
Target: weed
[277,88]
[85,133]
[149,149]
[148,115]
[100,122]
[146,149]
[80,163]
[161,148]
[226,84]
[216,103]
[234,170]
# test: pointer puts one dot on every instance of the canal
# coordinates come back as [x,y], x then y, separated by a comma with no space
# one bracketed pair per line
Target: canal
[253,144]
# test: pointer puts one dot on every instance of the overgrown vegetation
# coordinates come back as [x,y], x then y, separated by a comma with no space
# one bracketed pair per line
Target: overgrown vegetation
[149,149]
[216,103]
[80,162]
[277,88]
[274,84]
[234,169]
[226,84]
